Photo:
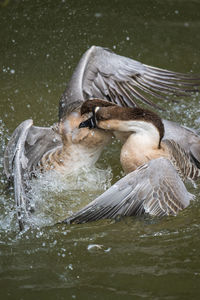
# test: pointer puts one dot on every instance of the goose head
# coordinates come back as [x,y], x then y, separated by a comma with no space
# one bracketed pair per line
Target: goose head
[72,133]
[111,117]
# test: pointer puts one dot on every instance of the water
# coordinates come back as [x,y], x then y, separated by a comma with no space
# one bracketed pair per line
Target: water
[136,258]
[56,196]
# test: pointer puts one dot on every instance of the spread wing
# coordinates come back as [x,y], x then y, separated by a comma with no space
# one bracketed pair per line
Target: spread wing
[154,188]
[186,137]
[182,160]
[24,150]
[124,81]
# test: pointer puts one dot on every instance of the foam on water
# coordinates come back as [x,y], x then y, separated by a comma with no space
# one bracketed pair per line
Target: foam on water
[56,196]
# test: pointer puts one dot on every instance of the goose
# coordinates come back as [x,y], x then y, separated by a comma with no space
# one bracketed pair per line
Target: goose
[155,166]
[103,74]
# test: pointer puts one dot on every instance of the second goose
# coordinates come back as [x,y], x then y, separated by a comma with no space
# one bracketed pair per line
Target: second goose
[155,165]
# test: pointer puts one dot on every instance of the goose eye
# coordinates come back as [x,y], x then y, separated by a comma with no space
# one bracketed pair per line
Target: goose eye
[96,109]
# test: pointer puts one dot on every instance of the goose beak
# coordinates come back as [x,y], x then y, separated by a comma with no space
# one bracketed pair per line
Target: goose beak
[89,123]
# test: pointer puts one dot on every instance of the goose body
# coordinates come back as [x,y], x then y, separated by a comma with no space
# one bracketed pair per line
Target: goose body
[155,168]
[103,74]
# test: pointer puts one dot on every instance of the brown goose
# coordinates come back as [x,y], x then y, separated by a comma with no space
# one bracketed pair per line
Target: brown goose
[100,73]
[156,166]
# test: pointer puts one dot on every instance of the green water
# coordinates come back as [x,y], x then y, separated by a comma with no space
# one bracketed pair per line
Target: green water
[137,258]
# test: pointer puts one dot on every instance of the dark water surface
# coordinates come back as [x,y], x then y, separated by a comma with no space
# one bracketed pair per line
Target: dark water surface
[137,258]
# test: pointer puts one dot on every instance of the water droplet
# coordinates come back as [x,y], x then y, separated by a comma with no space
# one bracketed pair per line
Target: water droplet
[94,247]
[98,15]
[108,250]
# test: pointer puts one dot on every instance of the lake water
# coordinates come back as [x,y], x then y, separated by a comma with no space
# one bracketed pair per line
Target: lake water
[136,258]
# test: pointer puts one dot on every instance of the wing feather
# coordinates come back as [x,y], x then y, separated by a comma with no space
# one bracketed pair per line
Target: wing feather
[182,160]
[15,164]
[107,69]
[153,188]
[23,152]
[186,137]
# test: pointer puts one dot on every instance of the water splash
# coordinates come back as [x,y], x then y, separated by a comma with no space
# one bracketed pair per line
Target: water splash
[53,196]
[7,206]
[56,196]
